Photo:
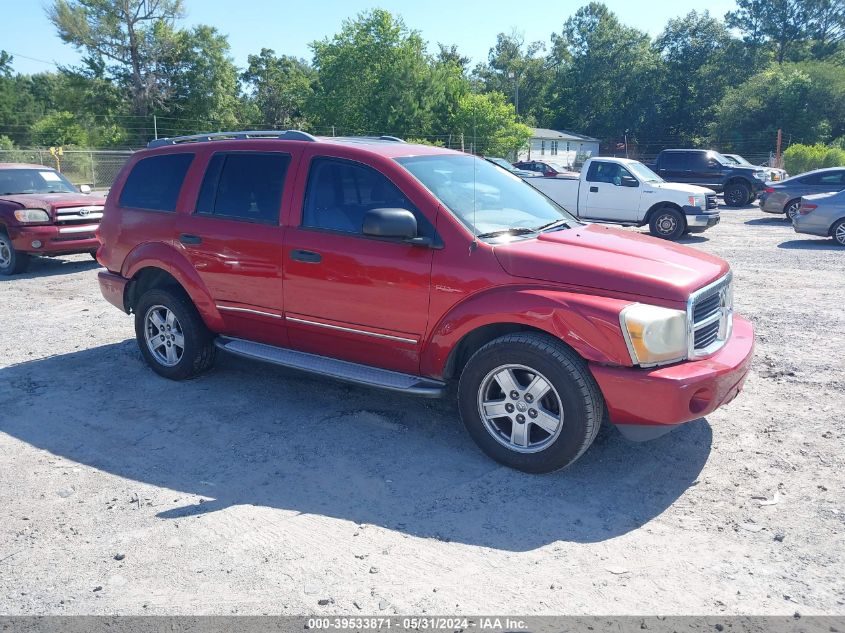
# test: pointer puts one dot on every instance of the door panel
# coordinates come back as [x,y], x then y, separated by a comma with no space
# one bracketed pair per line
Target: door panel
[606,198]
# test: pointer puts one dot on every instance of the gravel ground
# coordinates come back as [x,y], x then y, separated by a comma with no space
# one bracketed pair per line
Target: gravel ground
[256,490]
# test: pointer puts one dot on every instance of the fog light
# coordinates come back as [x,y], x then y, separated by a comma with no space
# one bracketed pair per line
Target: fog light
[700,400]
[36,243]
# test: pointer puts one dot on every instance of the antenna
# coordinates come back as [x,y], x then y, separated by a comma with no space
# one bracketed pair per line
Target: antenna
[474,147]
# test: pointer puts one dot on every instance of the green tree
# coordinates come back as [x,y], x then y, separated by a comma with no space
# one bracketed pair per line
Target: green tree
[780,24]
[121,35]
[374,77]
[488,125]
[826,26]
[59,128]
[279,89]
[606,75]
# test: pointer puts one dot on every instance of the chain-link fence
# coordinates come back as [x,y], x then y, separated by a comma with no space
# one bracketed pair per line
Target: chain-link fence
[96,168]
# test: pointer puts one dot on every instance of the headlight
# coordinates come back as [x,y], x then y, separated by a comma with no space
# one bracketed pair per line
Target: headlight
[32,215]
[761,175]
[654,335]
[698,201]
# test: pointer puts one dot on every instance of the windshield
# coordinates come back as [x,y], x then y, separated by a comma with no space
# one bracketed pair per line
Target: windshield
[44,180]
[722,159]
[643,173]
[486,199]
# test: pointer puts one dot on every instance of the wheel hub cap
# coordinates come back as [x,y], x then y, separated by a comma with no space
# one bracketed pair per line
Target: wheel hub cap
[164,336]
[5,253]
[528,422]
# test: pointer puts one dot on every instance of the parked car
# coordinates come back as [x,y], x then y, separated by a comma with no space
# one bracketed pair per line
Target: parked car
[785,197]
[407,267]
[775,174]
[739,184]
[507,166]
[822,214]
[624,191]
[542,167]
[42,213]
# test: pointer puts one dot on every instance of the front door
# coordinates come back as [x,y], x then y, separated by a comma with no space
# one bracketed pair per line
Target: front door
[347,295]
[234,241]
[607,196]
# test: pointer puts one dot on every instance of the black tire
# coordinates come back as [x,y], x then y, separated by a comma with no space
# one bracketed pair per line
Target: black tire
[737,194]
[12,262]
[791,209]
[572,387]
[667,223]
[837,232]
[198,351]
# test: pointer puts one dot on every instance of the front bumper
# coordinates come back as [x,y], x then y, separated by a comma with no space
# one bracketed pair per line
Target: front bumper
[698,221]
[811,224]
[646,403]
[55,240]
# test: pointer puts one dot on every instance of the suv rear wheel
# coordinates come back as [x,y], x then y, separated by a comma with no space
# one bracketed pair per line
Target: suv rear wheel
[171,335]
[530,402]
[12,262]
[667,223]
[737,194]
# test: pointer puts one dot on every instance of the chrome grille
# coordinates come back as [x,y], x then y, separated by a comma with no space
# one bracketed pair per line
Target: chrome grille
[79,215]
[710,317]
[712,203]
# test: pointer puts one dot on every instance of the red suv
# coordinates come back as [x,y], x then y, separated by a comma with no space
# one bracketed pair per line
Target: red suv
[42,213]
[408,268]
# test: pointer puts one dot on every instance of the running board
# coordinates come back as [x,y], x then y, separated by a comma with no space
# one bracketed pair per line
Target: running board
[333,368]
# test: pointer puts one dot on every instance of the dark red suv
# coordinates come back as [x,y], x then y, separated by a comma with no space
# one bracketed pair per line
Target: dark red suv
[408,267]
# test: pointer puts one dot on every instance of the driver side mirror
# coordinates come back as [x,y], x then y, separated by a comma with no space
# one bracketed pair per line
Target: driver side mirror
[630,181]
[393,223]
[84,189]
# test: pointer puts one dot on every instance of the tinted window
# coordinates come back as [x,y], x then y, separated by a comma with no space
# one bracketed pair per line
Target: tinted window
[611,173]
[244,186]
[825,178]
[154,182]
[340,193]
[675,161]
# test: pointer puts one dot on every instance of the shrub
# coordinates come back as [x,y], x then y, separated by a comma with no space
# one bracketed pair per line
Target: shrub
[799,158]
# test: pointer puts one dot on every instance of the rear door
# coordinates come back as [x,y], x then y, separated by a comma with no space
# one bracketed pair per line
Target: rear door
[674,166]
[348,295]
[606,198]
[234,239]
[823,182]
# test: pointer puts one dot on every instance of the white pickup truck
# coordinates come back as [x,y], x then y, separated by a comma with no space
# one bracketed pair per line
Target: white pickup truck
[624,191]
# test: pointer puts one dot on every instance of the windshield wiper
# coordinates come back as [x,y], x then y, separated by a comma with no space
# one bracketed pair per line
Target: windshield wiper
[517,230]
[552,225]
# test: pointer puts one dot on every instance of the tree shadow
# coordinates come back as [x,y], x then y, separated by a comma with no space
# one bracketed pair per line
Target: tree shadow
[817,244]
[249,433]
[49,266]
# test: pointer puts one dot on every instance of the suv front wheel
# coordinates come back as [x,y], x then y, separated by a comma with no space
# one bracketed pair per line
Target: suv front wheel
[171,335]
[530,402]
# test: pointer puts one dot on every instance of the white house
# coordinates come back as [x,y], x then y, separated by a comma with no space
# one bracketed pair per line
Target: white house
[559,146]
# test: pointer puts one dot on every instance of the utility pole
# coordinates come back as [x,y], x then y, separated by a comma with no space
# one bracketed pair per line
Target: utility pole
[515,77]
[778,163]
[626,143]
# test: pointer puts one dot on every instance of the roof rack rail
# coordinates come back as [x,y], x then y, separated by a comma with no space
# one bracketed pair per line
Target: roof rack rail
[287,135]
[395,139]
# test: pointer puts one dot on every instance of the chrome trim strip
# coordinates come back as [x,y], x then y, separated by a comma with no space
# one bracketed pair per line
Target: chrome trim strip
[352,330]
[725,317]
[248,310]
[84,228]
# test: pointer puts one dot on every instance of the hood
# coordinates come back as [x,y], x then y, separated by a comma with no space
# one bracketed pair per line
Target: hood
[608,258]
[679,186]
[48,201]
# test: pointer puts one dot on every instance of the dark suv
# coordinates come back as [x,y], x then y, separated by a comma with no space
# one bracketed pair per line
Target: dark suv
[740,184]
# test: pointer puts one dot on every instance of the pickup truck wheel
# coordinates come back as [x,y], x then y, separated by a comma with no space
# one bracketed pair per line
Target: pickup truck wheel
[792,209]
[667,223]
[12,262]
[737,194]
[530,402]
[171,335]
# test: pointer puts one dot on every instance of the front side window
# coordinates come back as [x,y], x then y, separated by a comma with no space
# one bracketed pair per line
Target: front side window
[485,199]
[244,186]
[154,183]
[611,173]
[41,180]
[340,192]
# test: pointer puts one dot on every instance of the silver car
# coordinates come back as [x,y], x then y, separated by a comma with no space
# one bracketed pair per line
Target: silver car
[775,174]
[822,214]
[785,197]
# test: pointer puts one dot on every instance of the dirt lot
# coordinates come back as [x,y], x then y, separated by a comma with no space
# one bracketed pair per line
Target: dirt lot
[256,490]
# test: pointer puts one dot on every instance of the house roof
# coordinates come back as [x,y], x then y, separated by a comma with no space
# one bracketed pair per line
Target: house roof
[560,135]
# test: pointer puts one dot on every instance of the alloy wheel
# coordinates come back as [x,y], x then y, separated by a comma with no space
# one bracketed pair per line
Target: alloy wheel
[164,336]
[839,235]
[520,408]
[792,210]
[5,252]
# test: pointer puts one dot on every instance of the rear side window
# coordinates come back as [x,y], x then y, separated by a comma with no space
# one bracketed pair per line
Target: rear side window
[825,178]
[244,186]
[675,160]
[341,192]
[154,182]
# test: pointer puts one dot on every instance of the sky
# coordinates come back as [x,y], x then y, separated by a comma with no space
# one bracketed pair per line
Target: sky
[288,26]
